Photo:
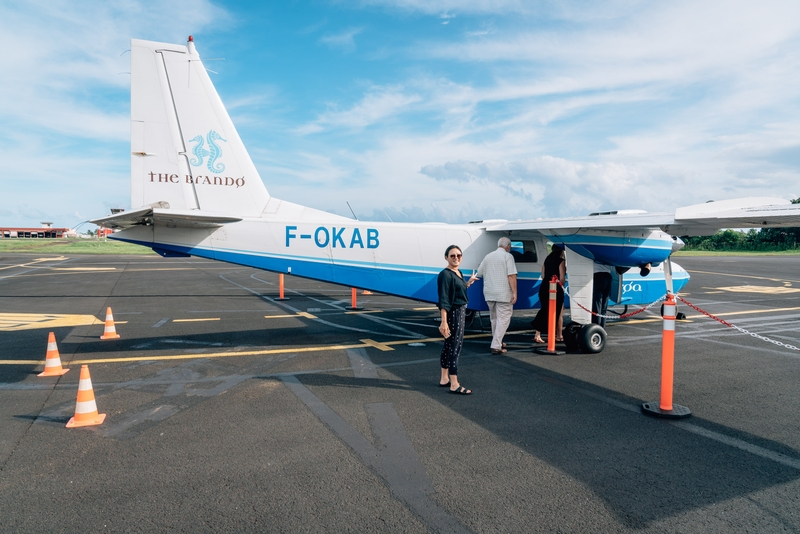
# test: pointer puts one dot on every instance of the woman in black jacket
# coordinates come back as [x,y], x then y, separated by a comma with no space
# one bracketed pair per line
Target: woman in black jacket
[453,307]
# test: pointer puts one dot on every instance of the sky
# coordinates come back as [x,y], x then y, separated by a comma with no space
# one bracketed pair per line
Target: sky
[420,110]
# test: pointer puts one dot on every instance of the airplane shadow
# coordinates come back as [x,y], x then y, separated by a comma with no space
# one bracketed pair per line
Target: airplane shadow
[645,469]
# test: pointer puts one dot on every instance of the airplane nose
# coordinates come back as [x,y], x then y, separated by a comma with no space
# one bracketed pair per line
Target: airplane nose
[677,243]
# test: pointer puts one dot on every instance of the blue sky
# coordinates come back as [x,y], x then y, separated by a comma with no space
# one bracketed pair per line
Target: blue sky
[412,110]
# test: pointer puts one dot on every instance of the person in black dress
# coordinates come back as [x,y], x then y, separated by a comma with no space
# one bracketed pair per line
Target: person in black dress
[453,308]
[554,264]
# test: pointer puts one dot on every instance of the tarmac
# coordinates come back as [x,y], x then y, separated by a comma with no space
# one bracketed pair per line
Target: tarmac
[228,410]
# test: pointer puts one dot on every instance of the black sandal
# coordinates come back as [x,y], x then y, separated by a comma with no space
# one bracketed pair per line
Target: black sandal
[461,391]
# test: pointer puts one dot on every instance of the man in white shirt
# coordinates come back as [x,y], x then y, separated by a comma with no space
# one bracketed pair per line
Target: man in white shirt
[499,274]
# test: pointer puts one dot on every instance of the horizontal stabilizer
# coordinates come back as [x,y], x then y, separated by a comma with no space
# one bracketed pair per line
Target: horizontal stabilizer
[164,217]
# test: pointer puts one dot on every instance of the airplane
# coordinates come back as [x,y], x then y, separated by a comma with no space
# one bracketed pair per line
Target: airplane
[196,192]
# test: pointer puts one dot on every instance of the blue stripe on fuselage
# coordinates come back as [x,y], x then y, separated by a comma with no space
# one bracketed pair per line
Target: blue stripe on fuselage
[415,282]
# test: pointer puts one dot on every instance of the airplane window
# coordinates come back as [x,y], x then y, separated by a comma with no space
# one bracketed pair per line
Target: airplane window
[524,252]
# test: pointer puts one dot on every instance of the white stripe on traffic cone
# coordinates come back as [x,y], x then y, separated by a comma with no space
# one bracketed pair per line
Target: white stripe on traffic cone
[52,362]
[85,405]
[109,332]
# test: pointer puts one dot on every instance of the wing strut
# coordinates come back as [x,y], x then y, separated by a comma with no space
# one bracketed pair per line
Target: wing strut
[668,275]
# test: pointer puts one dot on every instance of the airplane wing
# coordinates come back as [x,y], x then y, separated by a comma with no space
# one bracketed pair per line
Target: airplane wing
[150,216]
[706,219]
[698,219]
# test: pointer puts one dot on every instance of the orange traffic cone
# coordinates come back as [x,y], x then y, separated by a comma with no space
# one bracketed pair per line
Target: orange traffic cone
[110,332]
[85,406]
[52,362]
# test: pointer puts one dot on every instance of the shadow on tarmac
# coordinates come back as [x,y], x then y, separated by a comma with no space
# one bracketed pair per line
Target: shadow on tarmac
[644,469]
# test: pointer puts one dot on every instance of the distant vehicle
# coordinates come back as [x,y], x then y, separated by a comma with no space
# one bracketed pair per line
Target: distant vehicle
[195,191]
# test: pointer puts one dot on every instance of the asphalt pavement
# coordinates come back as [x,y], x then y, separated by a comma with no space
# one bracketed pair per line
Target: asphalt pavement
[229,410]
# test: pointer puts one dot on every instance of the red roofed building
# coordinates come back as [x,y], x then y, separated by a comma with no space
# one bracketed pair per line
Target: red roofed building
[45,232]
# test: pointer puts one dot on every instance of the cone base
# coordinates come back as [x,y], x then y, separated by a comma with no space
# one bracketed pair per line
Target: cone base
[109,336]
[677,412]
[542,350]
[60,372]
[89,422]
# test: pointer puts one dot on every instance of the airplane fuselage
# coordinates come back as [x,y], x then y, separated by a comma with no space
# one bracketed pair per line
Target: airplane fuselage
[401,259]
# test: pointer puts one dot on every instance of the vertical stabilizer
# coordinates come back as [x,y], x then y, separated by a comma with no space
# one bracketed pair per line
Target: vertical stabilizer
[185,150]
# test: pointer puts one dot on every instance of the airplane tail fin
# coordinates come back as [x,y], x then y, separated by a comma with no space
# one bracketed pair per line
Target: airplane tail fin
[185,151]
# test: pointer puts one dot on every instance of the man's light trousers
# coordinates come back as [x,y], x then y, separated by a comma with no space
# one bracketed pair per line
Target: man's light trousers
[500,315]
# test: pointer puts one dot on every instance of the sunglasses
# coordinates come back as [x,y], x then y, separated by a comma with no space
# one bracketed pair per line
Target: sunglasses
[455,256]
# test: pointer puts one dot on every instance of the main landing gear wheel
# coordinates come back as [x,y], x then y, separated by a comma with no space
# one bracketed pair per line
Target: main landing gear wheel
[592,338]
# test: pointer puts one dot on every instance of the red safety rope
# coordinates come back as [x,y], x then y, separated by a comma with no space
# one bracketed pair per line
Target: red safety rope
[624,316]
[707,314]
[740,329]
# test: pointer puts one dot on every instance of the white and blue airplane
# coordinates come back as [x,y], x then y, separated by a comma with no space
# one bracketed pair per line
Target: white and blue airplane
[196,192]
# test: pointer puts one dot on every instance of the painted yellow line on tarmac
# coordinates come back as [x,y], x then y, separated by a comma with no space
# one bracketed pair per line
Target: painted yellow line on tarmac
[725,314]
[380,346]
[306,315]
[425,309]
[195,355]
[362,312]
[11,322]
[761,290]
[364,343]
[282,316]
[748,312]
[195,320]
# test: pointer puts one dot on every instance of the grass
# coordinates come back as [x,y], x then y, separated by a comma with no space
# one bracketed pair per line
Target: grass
[70,246]
[684,253]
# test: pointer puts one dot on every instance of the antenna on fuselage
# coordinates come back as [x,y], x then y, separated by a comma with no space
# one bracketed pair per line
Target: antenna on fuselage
[351,210]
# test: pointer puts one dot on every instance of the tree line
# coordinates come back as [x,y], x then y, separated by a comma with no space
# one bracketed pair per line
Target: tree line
[763,240]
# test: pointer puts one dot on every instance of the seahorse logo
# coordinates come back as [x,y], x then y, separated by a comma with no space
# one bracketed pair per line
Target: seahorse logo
[214,152]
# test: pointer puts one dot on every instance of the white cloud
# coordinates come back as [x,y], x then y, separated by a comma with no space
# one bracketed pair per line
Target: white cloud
[344,40]
[64,103]
[62,54]
[531,109]
[378,104]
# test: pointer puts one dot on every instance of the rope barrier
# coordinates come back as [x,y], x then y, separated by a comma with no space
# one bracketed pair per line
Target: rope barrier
[707,314]
[739,328]
[614,317]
